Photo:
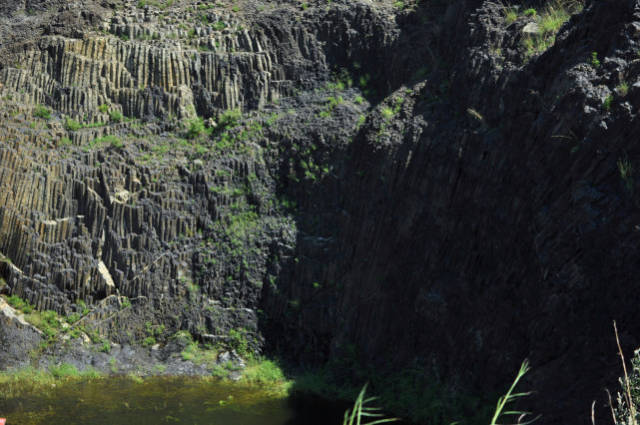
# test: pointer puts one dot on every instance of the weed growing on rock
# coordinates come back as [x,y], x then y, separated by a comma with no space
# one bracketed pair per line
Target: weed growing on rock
[196,128]
[110,139]
[628,402]
[115,116]
[607,102]
[72,125]
[625,168]
[361,411]
[19,304]
[623,88]
[42,112]
[148,341]
[510,397]
[510,15]
[65,141]
[549,22]
[229,119]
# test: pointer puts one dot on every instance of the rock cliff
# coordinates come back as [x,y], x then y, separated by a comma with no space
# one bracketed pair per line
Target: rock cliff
[452,180]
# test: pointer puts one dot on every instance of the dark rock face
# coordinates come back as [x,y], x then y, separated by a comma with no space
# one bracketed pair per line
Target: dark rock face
[16,338]
[476,209]
[493,224]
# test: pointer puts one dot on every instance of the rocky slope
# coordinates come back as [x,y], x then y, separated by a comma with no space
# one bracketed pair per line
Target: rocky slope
[450,179]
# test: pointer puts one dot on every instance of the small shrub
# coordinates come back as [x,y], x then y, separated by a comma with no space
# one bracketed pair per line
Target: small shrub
[387,113]
[115,115]
[63,370]
[110,139]
[42,112]
[47,321]
[510,15]
[72,125]
[83,307]
[263,372]
[149,341]
[549,21]
[595,62]
[606,104]
[103,108]
[625,412]
[623,88]
[65,141]
[19,304]
[73,318]
[229,119]
[196,128]
[238,341]
[625,168]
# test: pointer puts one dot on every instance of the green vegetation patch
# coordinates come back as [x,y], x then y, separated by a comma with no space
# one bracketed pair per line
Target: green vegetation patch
[415,393]
[42,112]
[17,383]
[549,22]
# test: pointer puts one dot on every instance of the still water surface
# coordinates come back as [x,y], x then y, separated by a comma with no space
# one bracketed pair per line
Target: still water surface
[121,401]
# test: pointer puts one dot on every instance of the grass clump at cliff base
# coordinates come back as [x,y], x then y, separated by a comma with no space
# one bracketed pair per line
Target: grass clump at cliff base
[258,371]
[412,393]
[18,382]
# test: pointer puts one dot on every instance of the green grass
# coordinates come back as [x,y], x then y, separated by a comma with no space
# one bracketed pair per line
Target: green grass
[72,125]
[196,128]
[229,119]
[625,168]
[19,304]
[549,21]
[263,372]
[623,88]
[47,321]
[511,397]
[110,139]
[42,112]
[149,341]
[361,411]
[115,116]
[17,383]
[510,15]
[625,410]
[387,113]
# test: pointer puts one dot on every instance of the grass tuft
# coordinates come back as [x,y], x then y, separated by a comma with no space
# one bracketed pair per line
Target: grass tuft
[549,21]
[361,410]
[510,397]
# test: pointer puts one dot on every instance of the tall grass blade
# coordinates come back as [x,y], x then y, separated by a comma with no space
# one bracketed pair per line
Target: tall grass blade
[354,416]
[512,396]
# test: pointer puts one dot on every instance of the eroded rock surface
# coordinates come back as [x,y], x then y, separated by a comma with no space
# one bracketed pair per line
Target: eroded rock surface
[363,175]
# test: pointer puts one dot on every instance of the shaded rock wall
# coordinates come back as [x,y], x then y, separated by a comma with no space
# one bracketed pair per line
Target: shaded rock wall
[460,199]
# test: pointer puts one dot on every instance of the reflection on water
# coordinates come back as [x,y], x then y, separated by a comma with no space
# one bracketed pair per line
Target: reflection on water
[155,401]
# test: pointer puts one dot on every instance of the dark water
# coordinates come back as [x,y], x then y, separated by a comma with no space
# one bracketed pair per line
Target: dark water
[121,401]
